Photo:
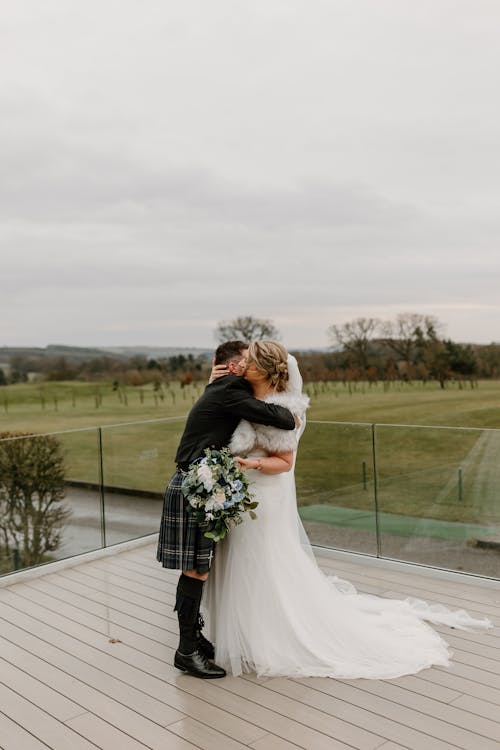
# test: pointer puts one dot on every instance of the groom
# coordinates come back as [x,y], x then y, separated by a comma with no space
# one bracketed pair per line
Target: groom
[182,544]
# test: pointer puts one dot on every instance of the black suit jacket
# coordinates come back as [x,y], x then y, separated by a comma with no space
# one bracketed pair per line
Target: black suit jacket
[215,415]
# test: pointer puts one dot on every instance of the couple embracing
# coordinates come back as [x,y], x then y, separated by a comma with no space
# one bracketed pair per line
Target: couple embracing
[268,607]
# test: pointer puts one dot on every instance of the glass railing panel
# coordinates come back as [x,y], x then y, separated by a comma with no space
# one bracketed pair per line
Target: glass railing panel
[335,486]
[47,511]
[83,531]
[439,497]
[138,460]
[420,494]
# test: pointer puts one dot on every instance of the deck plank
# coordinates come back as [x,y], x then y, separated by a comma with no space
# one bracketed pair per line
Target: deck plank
[390,719]
[451,713]
[113,617]
[104,735]
[39,723]
[79,609]
[310,715]
[44,696]
[128,683]
[204,737]
[15,737]
[272,742]
[93,701]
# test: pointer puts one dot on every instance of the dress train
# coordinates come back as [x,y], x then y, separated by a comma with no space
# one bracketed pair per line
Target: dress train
[271,610]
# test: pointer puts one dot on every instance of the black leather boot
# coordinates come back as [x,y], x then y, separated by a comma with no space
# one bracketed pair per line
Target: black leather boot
[197,665]
[204,645]
[188,657]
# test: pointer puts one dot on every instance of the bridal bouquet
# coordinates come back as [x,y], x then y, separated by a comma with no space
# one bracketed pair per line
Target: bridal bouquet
[216,489]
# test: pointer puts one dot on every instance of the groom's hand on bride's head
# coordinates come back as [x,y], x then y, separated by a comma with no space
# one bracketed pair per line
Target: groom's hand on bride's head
[236,364]
[218,371]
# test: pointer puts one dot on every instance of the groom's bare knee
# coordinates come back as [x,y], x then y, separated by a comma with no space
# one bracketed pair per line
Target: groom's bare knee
[195,574]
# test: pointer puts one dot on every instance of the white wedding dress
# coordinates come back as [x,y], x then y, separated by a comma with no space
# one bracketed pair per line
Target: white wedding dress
[271,610]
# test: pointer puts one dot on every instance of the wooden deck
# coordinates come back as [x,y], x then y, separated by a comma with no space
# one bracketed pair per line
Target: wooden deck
[86,661]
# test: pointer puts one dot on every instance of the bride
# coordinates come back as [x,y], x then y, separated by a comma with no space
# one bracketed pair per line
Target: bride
[269,607]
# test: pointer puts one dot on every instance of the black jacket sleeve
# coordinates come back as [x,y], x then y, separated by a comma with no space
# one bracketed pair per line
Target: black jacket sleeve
[243,405]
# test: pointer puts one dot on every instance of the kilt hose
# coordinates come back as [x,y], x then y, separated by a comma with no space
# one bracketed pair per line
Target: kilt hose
[182,544]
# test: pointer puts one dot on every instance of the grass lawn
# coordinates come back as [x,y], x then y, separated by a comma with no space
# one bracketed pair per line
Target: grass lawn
[50,407]
[404,403]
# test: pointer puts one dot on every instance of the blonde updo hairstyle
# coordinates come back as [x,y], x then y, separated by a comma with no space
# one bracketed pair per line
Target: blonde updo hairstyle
[271,358]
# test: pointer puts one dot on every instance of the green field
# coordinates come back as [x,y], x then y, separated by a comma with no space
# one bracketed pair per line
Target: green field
[401,403]
[52,407]
[450,475]
[49,406]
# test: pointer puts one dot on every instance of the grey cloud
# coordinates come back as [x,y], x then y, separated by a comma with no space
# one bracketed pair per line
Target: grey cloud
[58,178]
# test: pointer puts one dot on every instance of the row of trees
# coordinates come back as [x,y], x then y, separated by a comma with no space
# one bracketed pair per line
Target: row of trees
[409,347]
[136,370]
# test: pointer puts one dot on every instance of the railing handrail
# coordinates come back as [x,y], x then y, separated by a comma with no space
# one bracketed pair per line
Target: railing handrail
[309,421]
[419,426]
[94,427]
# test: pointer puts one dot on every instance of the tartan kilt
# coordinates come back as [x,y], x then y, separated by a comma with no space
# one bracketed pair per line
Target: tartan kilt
[182,544]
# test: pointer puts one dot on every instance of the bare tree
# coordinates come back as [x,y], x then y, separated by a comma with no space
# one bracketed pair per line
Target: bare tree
[407,333]
[355,337]
[247,328]
[31,493]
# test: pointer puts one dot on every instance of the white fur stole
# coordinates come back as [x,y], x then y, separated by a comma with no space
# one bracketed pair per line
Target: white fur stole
[249,435]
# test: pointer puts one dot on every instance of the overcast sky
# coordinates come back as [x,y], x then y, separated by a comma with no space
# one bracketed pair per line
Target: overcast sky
[167,165]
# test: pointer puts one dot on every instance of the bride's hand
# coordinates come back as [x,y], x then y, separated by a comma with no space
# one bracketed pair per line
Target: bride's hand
[247,463]
[274,464]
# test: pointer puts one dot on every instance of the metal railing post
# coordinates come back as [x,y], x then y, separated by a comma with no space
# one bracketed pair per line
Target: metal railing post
[101,488]
[375,490]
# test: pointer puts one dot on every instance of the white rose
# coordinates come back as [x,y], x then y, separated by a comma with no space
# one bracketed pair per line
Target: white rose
[210,504]
[205,474]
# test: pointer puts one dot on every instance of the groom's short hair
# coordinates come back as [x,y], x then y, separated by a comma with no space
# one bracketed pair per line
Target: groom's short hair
[229,350]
